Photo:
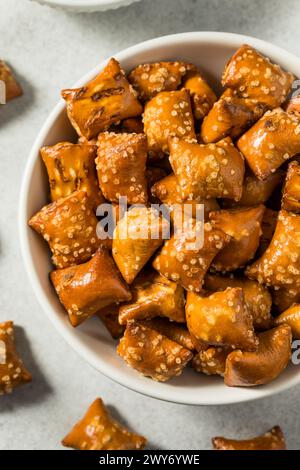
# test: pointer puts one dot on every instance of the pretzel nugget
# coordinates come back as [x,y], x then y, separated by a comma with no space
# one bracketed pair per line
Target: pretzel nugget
[71,167]
[12,371]
[279,265]
[187,265]
[285,298]
[110,318]
[177,332]
[291,191]
[132,125]
[85,289]
[151,353]
[221,319]
[211,361]
[69,225]
[150,79]
[12,88]
[290,317]
[105,100]
[293,106]
[268,227]
[271,440]
[99,431]
[207,171]
[274,139]
[168,114]
[244,228]
[202,96]
[249,369]
[121,166]
[153,296]
[137,236]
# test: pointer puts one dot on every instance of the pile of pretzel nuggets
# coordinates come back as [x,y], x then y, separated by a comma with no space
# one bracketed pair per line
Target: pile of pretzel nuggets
[160,135]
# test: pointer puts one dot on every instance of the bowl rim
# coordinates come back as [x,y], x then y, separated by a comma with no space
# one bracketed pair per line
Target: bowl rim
[229,39]
[87,3]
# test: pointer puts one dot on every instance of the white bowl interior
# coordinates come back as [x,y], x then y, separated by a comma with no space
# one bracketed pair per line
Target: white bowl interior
[210,51]
[88,5]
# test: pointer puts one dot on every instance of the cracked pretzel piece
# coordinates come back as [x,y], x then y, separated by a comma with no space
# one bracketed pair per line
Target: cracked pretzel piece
[207,171]
[153,296]
[285,298]
[99,431]
[85,289]
[274,139]
[290,317]
[136,238]
[12,88]
[168,114]
[105,100]
[110,318]
[244,228]
[12,370]
[121,166]
[271,440]
[211,361]
[257,297]
[279,265]
[150,79]
[71,167]
[151,353]
[291,190]
[187,256]
[69,225]
[221,319]
[177,332]
[249,369]
[202,95]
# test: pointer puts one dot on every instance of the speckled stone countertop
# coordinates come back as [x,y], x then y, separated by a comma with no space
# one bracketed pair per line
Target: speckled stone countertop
[51,49]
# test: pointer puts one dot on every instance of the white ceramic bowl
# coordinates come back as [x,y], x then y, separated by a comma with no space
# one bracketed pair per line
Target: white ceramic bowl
[87,5]
[210,51]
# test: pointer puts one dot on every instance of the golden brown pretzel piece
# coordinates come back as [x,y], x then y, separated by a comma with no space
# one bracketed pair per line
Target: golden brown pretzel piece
[168,114]
[69,226]
[71,167]
[244,228]
[221,319]
[12,87]
[137,236]
[182,261]
[176,332]
[85,289]
[121,166]
[150,79]
[279,265]
[211,361]
[110,318]
[274,139]
[202,95]
[257,297]
[105,100]
[249,369]
[12,370]
[268,227]
[271,440]
[151,353]
[207,171]
[153,296]
[132,125]
[293,105]
[291,191]
[285,298]
[290,317]
[97,430]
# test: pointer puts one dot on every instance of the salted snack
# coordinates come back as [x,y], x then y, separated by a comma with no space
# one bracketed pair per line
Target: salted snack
[136,238]
[109,316]
[99,431]
[272,440]
[185,259]
[71,167]
[285,298]
[85,289]
[244,228]
[279,265]
[168,114]
[134,125]
[291,191]
[221,319]
[177,332]
[69,226]
[293,105]
[268,227]
[211,361]
[202,95]
[103,101]
[290,317]
[274,139]
[12,88]
[252,368]
[150,79]
[153,296]
[207,171]
[12,371]
[151,353]
[121,166]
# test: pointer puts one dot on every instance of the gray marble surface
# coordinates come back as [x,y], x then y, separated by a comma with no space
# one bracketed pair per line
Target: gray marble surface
[50,49]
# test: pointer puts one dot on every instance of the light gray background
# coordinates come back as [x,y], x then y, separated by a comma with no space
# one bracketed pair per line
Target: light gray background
[51,49]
